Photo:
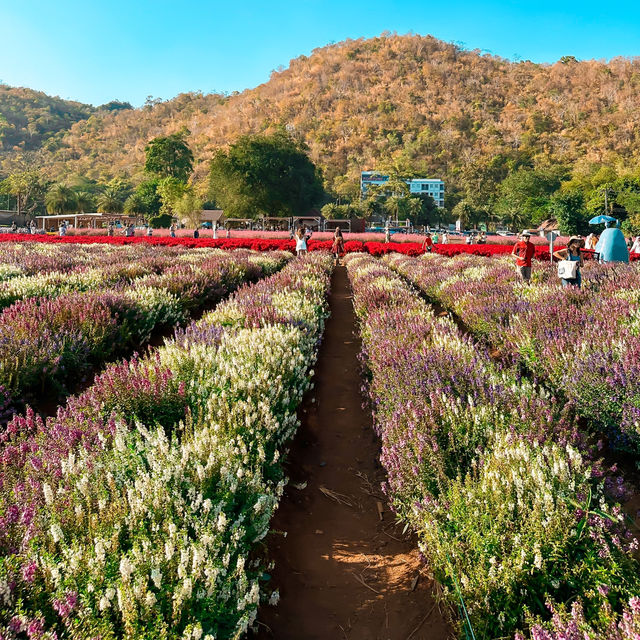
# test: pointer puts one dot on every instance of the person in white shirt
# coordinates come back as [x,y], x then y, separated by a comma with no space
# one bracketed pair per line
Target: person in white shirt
[635,248]
[445,238]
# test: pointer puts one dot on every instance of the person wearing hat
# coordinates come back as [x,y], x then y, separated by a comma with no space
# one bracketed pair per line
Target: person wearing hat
[523,251]
[572,254]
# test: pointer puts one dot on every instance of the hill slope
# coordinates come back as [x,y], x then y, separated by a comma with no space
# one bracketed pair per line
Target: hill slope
[414,101]
[28,119]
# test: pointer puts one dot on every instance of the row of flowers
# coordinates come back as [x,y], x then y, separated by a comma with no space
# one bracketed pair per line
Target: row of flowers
[272,244]
[136,511]
[57,337]
[584,343]
[492,474]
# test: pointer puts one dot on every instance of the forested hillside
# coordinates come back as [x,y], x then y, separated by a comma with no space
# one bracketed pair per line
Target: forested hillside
[29,119]
[415,102]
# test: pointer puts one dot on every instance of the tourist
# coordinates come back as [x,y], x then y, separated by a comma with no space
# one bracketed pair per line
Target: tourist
[445,238]
[469,239]
[228,232]
[591,241]
[570,262]
[612,246]
[149,231]
[523,251]
[427,245]
[14,227]
[172,230]
[387,236]
[196,233]
[338,246]
[32,227]
[635,248]
[483,238]
[291,233]
[435,237]
[301,242]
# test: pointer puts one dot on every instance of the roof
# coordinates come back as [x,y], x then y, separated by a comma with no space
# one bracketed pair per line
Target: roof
[211,215]
[551,224]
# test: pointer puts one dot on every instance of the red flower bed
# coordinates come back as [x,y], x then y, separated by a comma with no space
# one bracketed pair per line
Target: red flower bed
[274,244]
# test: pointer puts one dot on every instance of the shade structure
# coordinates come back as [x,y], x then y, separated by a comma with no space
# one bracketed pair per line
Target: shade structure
[602,219]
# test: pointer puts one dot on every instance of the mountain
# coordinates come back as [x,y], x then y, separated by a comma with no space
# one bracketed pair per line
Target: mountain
[415,102]
[29,119]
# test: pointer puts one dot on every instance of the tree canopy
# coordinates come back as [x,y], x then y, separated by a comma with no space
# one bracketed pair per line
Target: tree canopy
[265,175]
[169,156]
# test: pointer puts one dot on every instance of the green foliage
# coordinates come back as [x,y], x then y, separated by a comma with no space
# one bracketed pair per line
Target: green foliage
[110,201]
[264,175]
[29,118]
[333,211]
[29,188]
[61,199]
[115,105]
[169,156]
[85,202]
[145,200]
[524,196]
[161,221]
[570,212]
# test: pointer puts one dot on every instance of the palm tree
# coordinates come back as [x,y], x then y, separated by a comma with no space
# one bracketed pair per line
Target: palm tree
[135,204]
[84,201]
[109,202]
[60,200]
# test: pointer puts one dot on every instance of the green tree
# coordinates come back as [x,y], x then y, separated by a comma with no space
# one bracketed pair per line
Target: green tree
[61,199]
[265,175]
[569,210]
[28,187]
[524,196]
[169,156]
[85,202]
[134,205]
[109,201]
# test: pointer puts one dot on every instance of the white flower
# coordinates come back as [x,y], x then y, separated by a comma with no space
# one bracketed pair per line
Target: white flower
[48,493]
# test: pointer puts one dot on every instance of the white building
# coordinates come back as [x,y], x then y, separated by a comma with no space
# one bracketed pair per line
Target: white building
[433,187]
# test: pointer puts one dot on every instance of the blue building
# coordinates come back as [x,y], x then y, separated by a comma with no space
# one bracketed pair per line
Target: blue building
[431,186]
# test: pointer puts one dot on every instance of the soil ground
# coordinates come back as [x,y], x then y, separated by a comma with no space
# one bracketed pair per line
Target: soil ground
[344,570]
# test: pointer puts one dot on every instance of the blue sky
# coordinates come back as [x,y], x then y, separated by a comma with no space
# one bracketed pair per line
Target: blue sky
[106,49]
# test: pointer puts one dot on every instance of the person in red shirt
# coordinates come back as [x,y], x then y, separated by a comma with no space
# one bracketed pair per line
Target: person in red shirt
[427,244]
[523,251]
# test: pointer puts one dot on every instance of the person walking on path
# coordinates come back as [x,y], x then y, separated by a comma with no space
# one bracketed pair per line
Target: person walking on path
[572,254]
[338,246]
[301,242]
[523,251]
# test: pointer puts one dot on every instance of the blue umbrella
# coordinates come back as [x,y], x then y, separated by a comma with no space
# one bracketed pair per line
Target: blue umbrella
[602,219]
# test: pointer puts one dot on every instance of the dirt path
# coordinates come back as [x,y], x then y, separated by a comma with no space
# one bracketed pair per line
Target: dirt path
[342,571]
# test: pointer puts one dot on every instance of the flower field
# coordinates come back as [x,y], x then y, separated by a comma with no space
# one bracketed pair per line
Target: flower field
[85,309]
[136,511]
[584,344]
[352,245]
[492,471]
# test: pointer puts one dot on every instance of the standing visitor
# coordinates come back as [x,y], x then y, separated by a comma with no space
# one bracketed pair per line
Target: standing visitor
[591,241]
[32,227]
[149,231]
[635,248]
[612,246]
[172,230]
[427,245]
[291,233]
[301,242]
[523,251]
[570,263]
[196,233]
[445,238]
[338,245]
[228,232]
[387,236]
[469,239]
[435,237]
